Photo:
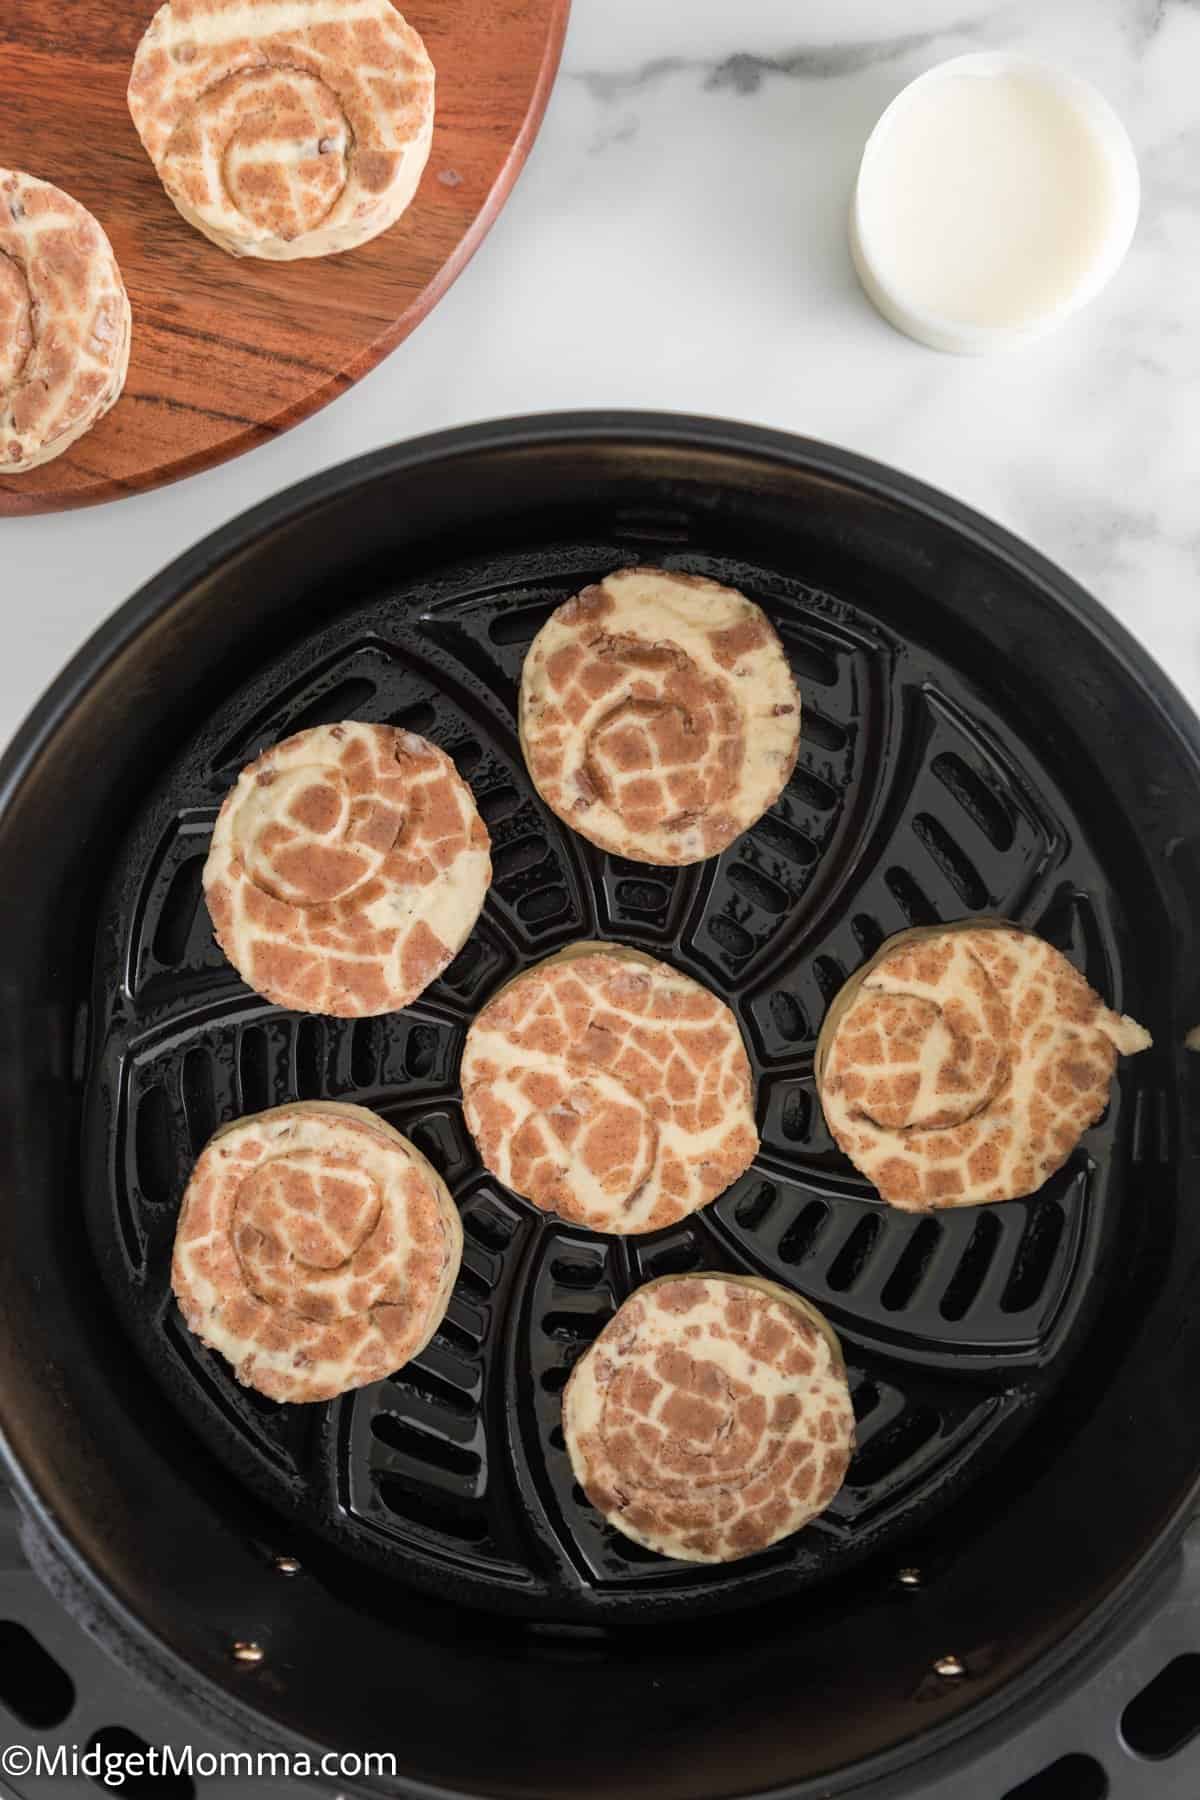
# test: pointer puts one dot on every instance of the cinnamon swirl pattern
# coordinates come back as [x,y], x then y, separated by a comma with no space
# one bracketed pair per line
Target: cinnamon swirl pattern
[316,1250]
[610,1089]
[963,1064]
[284,128]
[65,323]
[348,867]
[711,1417]
[658,715]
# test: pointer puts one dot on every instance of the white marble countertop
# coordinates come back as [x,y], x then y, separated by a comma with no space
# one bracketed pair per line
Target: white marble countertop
[678,242]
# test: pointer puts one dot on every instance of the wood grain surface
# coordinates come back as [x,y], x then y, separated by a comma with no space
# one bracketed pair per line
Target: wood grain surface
[228,352]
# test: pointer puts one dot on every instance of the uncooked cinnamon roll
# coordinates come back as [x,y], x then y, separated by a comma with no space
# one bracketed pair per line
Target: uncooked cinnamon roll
[284,128]
[658,716]
[64,323]
[711,1417]
[964,1063]
[610,1089]
[316,1250]
[348,867]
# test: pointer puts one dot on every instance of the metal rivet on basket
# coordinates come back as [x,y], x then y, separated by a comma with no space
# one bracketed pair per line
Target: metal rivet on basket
[909,1578]
[246,1652]
[287,1565]
[950,1668]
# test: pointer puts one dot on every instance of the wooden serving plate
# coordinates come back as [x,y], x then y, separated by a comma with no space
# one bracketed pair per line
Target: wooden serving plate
[228,352]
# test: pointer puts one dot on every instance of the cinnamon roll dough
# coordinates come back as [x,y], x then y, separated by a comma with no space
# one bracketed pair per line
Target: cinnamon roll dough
[610,1089]
[964,1062]
[316,1250]
[284,128]
[658,715]
[711,1417]
[65,323]
[348,867]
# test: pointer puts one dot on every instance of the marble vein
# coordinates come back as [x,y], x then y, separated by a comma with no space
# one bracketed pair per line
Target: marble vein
[744,71]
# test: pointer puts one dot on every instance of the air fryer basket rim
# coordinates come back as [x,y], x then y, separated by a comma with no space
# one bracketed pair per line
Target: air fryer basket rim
[682,430]
[1070,1664]
[565,430]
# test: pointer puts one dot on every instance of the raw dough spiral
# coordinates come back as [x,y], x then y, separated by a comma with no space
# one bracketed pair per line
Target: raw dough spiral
[348,867]
[659,717]
[610,1089]
[65,323]
[285,128]
[711,1417]
[316,1250]
[964,1063]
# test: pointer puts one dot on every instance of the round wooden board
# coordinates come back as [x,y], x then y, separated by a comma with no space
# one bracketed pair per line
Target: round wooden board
[228,352]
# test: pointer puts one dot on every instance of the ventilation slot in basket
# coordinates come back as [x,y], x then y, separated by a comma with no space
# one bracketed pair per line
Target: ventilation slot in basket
[1166,1715]
[34,1688]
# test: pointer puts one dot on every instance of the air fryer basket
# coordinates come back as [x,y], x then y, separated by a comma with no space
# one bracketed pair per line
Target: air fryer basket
[977,739]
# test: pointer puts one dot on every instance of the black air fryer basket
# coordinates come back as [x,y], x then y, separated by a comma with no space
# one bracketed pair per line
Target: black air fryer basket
[978,738]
